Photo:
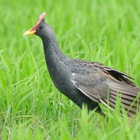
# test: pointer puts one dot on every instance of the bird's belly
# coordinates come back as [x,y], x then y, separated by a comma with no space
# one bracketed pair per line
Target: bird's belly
[65,86]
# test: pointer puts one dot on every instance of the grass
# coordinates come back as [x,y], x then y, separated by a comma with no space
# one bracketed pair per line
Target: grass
[30,106]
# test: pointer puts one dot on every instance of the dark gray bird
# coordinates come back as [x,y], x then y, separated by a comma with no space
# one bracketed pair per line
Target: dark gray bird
[85,82]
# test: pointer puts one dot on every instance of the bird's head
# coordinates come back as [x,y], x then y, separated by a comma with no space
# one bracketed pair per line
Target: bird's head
[41,28]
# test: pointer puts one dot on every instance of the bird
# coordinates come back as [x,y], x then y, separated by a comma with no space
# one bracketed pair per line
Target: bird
[85,82]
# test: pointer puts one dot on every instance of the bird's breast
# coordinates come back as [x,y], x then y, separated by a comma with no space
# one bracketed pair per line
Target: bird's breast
[61,77]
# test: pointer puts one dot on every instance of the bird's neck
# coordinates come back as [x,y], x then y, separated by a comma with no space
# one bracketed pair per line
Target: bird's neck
[52,51]
[55,62]
[54,57]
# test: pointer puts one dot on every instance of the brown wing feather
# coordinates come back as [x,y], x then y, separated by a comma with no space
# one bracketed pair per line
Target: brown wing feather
[104,85]
[120,76]
[128,95]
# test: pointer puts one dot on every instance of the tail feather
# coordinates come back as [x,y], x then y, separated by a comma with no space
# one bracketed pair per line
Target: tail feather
[128,95]
[127,100]
[123,88]
[125,96]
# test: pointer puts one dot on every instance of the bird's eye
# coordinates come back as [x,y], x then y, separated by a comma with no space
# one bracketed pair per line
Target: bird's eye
[40,27]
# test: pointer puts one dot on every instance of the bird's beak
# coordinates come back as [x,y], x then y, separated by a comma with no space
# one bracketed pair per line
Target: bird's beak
[29,32]
[33,30]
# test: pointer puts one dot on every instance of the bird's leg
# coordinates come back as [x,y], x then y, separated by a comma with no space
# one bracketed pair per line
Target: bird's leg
[102,114]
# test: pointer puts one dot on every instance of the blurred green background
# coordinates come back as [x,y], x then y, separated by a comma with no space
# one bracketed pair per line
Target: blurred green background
[30,106]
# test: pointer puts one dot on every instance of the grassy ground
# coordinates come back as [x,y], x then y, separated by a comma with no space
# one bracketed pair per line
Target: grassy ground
[96,30]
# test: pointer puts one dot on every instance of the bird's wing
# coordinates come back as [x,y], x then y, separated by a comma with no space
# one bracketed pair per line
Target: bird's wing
[102,86]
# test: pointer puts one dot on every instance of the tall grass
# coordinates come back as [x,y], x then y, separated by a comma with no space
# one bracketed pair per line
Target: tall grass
[30,106]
